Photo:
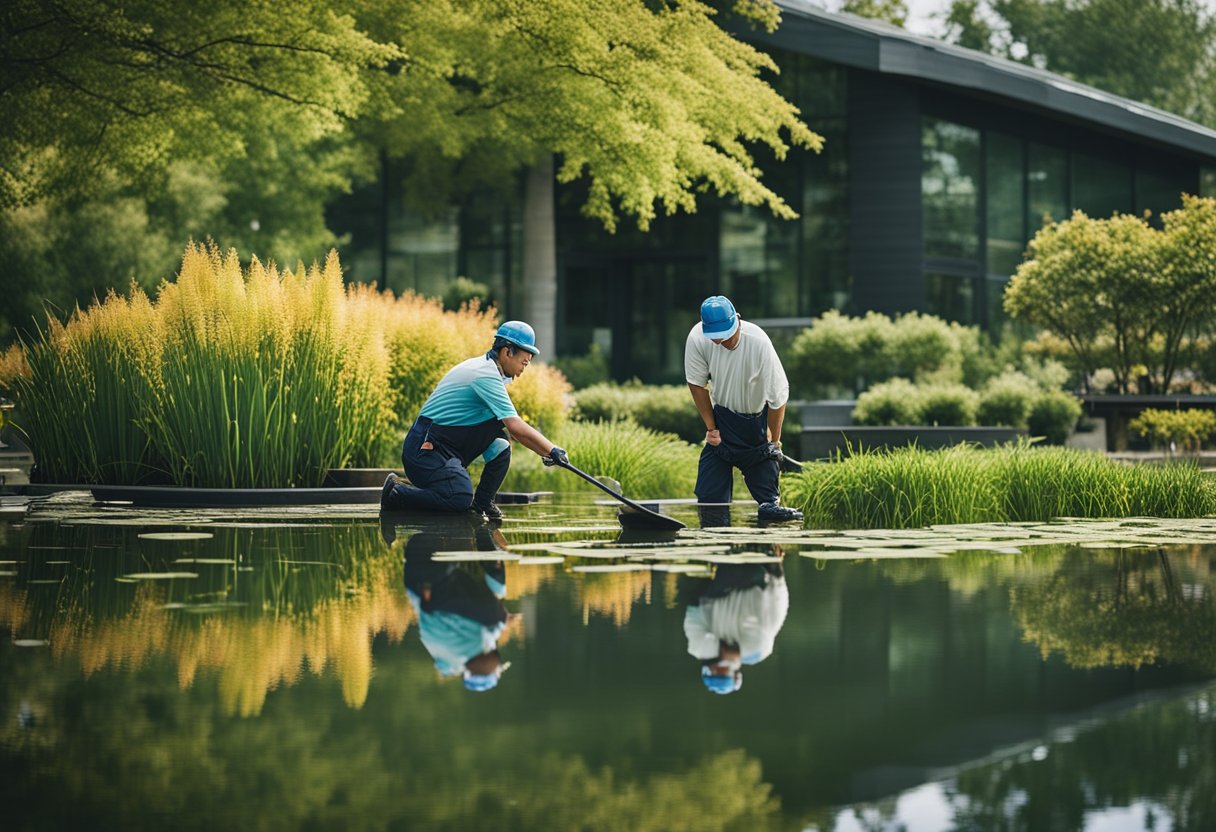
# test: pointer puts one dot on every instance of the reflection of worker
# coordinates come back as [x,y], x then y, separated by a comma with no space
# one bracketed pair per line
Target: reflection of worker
[463,419]
[743,418]
[734,619]
[459,606]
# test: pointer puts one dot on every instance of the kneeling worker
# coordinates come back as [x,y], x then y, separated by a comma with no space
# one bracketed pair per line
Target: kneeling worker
[744,417]
[463,419]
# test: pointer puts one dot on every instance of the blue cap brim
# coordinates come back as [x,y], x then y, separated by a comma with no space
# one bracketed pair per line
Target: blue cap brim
[722,335]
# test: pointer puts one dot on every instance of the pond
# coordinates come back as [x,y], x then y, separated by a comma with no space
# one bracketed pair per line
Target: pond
[302,668]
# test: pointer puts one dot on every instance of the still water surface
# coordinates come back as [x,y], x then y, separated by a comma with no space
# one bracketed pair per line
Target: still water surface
[303,670]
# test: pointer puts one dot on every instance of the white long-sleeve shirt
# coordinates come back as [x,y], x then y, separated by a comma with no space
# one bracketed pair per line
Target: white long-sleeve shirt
[744,379]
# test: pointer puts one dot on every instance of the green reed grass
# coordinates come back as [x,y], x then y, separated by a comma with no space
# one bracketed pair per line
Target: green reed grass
[238,377]
[646,464]
[912,487]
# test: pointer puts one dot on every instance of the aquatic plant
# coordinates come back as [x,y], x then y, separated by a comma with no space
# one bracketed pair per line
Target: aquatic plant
[646,464]
[243,377]
[913,487]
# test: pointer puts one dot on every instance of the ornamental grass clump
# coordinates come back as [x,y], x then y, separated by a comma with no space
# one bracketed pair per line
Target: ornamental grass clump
[912,487]
[242,377]
[646,464]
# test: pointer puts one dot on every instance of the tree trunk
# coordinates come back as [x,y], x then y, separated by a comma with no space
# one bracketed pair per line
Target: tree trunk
[540,256]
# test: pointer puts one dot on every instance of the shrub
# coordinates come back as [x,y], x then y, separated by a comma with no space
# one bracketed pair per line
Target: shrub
[1053,416]
[669,409]
[948,405]
[606,402]
[463,292]
[585,370]
[540,397]
[1188,429]
[922,344]
[827,356]
[895,402]
[1006,400]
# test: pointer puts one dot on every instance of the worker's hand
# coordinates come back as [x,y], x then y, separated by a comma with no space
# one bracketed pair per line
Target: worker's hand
[557,456]
[773,450]
[713,437]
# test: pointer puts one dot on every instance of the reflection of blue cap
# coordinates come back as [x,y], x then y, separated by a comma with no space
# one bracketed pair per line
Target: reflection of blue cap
[721,684]
[480,683]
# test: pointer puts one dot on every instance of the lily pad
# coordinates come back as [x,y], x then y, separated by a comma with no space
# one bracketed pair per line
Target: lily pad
[30,642]
[176,536]
[451,557]
[613,567]
[159,576]
[540,560]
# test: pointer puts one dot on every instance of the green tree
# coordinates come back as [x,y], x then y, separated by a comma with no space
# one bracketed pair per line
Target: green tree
[892,11]
[1084,279]
[1161,52]
[652,104]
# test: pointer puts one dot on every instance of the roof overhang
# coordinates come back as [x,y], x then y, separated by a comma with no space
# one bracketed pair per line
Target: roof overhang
[887,49]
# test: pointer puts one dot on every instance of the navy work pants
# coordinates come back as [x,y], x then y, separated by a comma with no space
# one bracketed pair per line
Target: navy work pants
[744,446]
[437,474]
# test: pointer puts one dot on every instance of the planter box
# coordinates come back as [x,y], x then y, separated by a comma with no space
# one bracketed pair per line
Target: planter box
[824,442]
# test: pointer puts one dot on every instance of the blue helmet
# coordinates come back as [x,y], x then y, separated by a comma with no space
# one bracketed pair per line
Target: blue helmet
[718,318]
[518,334]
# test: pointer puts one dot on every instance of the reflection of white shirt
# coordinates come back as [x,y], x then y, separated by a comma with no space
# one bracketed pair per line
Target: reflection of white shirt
[749,617]
[746,378]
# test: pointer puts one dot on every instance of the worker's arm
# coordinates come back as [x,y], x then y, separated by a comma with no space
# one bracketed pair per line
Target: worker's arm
[705,407]
[528,436]
[776,417]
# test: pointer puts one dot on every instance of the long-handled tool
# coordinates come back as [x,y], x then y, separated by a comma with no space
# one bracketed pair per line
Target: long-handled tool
[642,516]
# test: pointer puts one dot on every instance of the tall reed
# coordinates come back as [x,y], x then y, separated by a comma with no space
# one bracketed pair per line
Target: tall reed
[243,377]
[912,487]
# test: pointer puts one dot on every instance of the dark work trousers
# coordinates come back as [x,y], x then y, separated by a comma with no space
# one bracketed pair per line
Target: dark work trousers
[744,446]
[438,476]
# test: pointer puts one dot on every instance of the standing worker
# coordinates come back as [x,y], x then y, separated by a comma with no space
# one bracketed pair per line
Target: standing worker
[463,419]
[743,419]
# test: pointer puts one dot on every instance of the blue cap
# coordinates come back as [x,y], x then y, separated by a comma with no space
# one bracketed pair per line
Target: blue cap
[718,318]
[520,334]
[480,682]
[721,684]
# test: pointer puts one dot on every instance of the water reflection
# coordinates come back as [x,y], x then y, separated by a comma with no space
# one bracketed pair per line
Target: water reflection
[459,606]
[1056,688]
[733,619]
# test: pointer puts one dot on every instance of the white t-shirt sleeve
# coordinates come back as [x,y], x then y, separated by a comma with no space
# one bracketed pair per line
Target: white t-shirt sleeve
[696,361]
[776,385]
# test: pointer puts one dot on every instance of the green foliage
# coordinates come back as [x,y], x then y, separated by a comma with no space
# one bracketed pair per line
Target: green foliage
[239,123]
[1187,429]
[895,402]
[921,344]
[645,463]
[892,11]
[661,408]
[912,487]
[585,370]
[1121,293]
[1155,51]
[948,405]
[463,291]
[248,378]
[1006,400]
[1053,416]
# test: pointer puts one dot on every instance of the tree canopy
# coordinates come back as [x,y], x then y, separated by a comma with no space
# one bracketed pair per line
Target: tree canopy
[241,122]
[1160,52]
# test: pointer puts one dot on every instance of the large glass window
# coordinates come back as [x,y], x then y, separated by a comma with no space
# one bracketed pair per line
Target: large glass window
[1100,188]
[1046,186]
[950,296]
[1207,181]
[1160,193]
[950,175]
[825,224]
[1005,210]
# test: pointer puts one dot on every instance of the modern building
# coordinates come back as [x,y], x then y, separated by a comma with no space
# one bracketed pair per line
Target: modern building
[939,165]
